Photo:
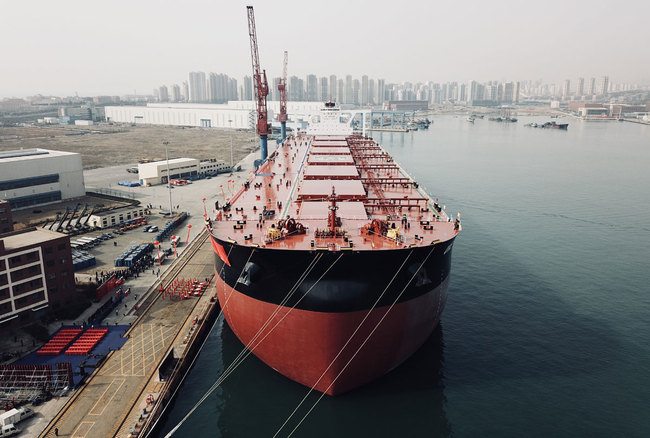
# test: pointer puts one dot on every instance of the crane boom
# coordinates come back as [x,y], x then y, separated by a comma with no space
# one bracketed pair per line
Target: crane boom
[261,86]
[282,88]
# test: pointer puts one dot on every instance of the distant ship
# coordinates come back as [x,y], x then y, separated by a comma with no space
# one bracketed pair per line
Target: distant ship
[548,125]
[503,119]
[332,263]
[505,116]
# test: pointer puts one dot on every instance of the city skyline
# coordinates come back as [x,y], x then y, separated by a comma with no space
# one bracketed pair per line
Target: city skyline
[211,87]
[129,46]
[367,90]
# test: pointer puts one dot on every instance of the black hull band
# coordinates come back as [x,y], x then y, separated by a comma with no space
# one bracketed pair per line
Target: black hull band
[334,281]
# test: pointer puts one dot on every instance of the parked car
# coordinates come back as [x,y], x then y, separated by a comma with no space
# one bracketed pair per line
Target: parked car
[153,229]
[147,228]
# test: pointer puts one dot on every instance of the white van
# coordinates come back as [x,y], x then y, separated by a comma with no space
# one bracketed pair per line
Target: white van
[9,430]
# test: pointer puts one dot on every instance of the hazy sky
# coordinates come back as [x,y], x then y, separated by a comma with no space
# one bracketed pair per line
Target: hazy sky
[118,46]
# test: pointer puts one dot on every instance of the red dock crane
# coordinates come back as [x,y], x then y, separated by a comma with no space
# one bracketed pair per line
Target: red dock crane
[263,127]
[282,88]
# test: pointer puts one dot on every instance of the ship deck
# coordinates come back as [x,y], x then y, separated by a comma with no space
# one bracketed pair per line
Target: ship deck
[297,182]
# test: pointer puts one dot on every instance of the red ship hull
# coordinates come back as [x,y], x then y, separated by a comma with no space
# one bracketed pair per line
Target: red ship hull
[321,349]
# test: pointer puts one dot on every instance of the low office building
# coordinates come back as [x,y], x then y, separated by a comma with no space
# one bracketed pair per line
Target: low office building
[212,167]
[6,220]
[31,177]
[112,218]
[36,274]
[156,172]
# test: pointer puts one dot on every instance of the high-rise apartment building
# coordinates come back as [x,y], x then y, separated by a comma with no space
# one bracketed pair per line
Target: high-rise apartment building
[348,90]
[471,91]
[163,94]
[356,91]
[197,87]
[340,89]
[213,88]
[323,90]
[381,91]
[490,92]
[566,89]
[333,88]
[364,90]
[462,92]
[296,89]
[580,87]
[247,87]
[312,88]
[515,92]
[372,92]
[175,93]
[591,89]
[603,86]
[185,92]
[274,93]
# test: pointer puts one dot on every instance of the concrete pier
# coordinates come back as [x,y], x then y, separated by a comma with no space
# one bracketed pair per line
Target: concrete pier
[121,394]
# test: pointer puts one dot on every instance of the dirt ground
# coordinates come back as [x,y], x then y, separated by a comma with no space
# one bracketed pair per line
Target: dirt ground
[104,145]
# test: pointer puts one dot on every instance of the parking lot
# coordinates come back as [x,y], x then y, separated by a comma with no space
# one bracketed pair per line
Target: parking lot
[185,198]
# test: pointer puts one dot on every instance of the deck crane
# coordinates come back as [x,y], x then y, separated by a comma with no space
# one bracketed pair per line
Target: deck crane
[263,128]
[282,88]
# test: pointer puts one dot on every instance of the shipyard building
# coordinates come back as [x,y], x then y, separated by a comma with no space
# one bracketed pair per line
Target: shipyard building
[36,274]
[234,114]
[31,177]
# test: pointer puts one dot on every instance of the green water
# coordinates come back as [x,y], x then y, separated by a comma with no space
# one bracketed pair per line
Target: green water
[547,326]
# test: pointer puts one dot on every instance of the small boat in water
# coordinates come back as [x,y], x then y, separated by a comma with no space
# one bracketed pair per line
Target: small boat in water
[553,125]
[548,125]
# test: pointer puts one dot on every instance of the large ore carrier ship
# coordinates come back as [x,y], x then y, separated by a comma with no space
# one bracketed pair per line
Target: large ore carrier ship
[332,264]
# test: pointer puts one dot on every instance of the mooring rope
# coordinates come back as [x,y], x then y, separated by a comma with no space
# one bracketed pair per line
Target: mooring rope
[246,351]
[367,315]
[362,344]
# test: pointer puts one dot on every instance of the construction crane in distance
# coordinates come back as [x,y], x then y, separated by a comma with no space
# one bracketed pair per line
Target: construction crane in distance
[263,128]
[282,88]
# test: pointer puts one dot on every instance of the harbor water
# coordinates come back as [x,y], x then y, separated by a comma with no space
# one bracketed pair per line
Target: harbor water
[547,326]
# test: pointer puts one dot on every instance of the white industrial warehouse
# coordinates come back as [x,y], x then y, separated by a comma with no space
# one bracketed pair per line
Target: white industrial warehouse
[30,177]
[234,114]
